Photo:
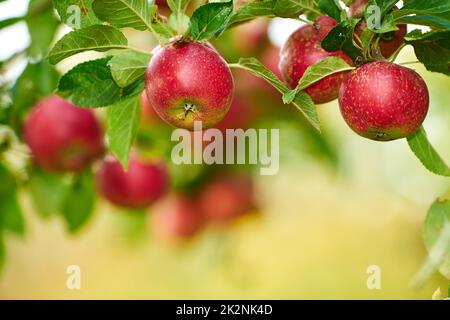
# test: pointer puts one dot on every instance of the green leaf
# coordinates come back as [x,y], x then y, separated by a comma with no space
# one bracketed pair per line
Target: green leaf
[90,84]
[302,101]
[136,14]
[98,38]
[11,217]
[123,121]
[47,191]
[435,21]
[432,49]
[331,8]
[316,72]
[425,152]
[294,8]
[79,202]
[210,20]
[252,10]
[163,30]
[341,38]
[128,66]
[9,22]
[41,27]
[178,20]
[422,7]
[436,235]
[76,14]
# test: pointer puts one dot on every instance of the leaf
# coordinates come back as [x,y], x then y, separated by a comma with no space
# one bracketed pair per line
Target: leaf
[436,21]
[47,191]
[123,121]
[11,217]
[90,84]
[41,27]
[210,19]
[341,38]
[136,14]
[302,101]
[331,8]
[98,38]
[79,202]
[9,22]
[294,8]
[432,49]
[316,72]
[178,19]
[436,235]
[425,152]
[76,14]
[422,7]
[252,10]
[128,66]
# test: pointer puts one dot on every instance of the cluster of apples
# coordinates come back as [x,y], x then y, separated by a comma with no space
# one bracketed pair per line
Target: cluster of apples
[188,81]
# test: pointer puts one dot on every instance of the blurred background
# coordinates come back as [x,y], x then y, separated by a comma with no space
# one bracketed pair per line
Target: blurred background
[339,204]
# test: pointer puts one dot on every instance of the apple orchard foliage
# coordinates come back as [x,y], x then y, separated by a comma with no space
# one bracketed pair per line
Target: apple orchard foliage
[343,42]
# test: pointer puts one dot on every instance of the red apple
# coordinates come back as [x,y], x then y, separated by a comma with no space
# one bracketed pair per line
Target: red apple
[61,136]
[303,49]
[189,81]
[384,101]
[387,45]
[226,198]
[141,185]
[175,218]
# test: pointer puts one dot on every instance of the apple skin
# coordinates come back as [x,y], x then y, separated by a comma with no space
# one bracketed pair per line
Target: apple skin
[61,136]
[184,74]
[226,198]
[303,49]
[140,186]
[387,47]
[175,218]
[384,101]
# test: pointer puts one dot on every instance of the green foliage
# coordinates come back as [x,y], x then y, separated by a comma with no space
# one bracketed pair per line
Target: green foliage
[252,10]
[128,66]
[302,101]
[79,201]
[210,20]
[341,38]
[123,121]
[333,9]
[98,38]
[178,19]
[425,152]
[294,8]
[11,217]
[316,72]
[71,10]
[436,235]
[428,7]
[432,49]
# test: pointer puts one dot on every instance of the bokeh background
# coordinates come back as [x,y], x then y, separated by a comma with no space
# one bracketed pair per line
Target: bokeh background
[339,204]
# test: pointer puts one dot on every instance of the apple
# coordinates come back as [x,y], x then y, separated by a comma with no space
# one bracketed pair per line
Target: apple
[226,197]
[389,42]
[61,136]
[303,49]
[141,185]
[175,218]
[189,81]
[384,101]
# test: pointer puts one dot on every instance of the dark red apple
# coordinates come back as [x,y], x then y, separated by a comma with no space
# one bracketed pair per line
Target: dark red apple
[303,49]
[384,101]
[141,185]
[388,44]
[189,81]
[175,218]
[226,197]
[61,136]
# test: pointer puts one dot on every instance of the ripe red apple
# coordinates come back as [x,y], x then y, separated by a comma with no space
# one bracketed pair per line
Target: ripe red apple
[61,136]
[141,185]
[388,44]
[226,197]
[175,218]
[384,101]
[303,49]
[189,81]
